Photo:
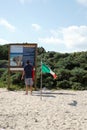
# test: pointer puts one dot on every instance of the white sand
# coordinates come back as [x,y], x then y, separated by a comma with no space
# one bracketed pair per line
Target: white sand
[58,110]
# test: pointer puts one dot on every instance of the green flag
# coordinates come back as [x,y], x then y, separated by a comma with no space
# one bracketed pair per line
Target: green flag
[46,69]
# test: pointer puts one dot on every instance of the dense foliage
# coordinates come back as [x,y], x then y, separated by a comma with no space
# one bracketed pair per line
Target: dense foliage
[71,69]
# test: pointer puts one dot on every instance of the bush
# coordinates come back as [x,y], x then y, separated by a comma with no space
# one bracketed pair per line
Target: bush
[15,87]
[3,84]
[78,74]
[64,84]
[77,86]
[64,74]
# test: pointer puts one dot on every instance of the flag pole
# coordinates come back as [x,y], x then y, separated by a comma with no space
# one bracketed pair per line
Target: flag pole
[41,82]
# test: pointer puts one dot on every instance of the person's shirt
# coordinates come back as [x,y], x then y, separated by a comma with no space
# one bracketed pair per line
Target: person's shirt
[28,71]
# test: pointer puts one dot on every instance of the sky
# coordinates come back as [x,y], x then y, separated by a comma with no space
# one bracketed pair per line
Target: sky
[55,25]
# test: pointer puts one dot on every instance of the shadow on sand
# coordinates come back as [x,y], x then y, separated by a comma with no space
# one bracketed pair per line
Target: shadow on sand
[73,103]
[50,94]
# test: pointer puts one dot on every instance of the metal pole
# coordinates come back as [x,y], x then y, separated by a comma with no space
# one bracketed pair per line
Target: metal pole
[41,82]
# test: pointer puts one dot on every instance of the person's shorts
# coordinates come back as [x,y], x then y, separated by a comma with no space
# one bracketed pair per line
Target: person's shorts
[29,81]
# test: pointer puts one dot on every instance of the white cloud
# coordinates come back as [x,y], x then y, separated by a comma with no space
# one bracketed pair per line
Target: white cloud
[37,27]
[50,40]
[73,38]
[6,24]
[83,2]
[3,41]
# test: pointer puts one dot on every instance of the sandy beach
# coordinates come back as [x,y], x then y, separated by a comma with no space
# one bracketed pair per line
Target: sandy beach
[54,110]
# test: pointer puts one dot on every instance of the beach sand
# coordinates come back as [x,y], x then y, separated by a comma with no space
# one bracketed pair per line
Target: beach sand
[54,110]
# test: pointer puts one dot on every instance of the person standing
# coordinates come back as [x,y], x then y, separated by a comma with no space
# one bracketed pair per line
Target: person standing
[27,73]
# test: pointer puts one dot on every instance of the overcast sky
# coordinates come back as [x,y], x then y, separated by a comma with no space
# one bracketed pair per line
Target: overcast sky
[56,25]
